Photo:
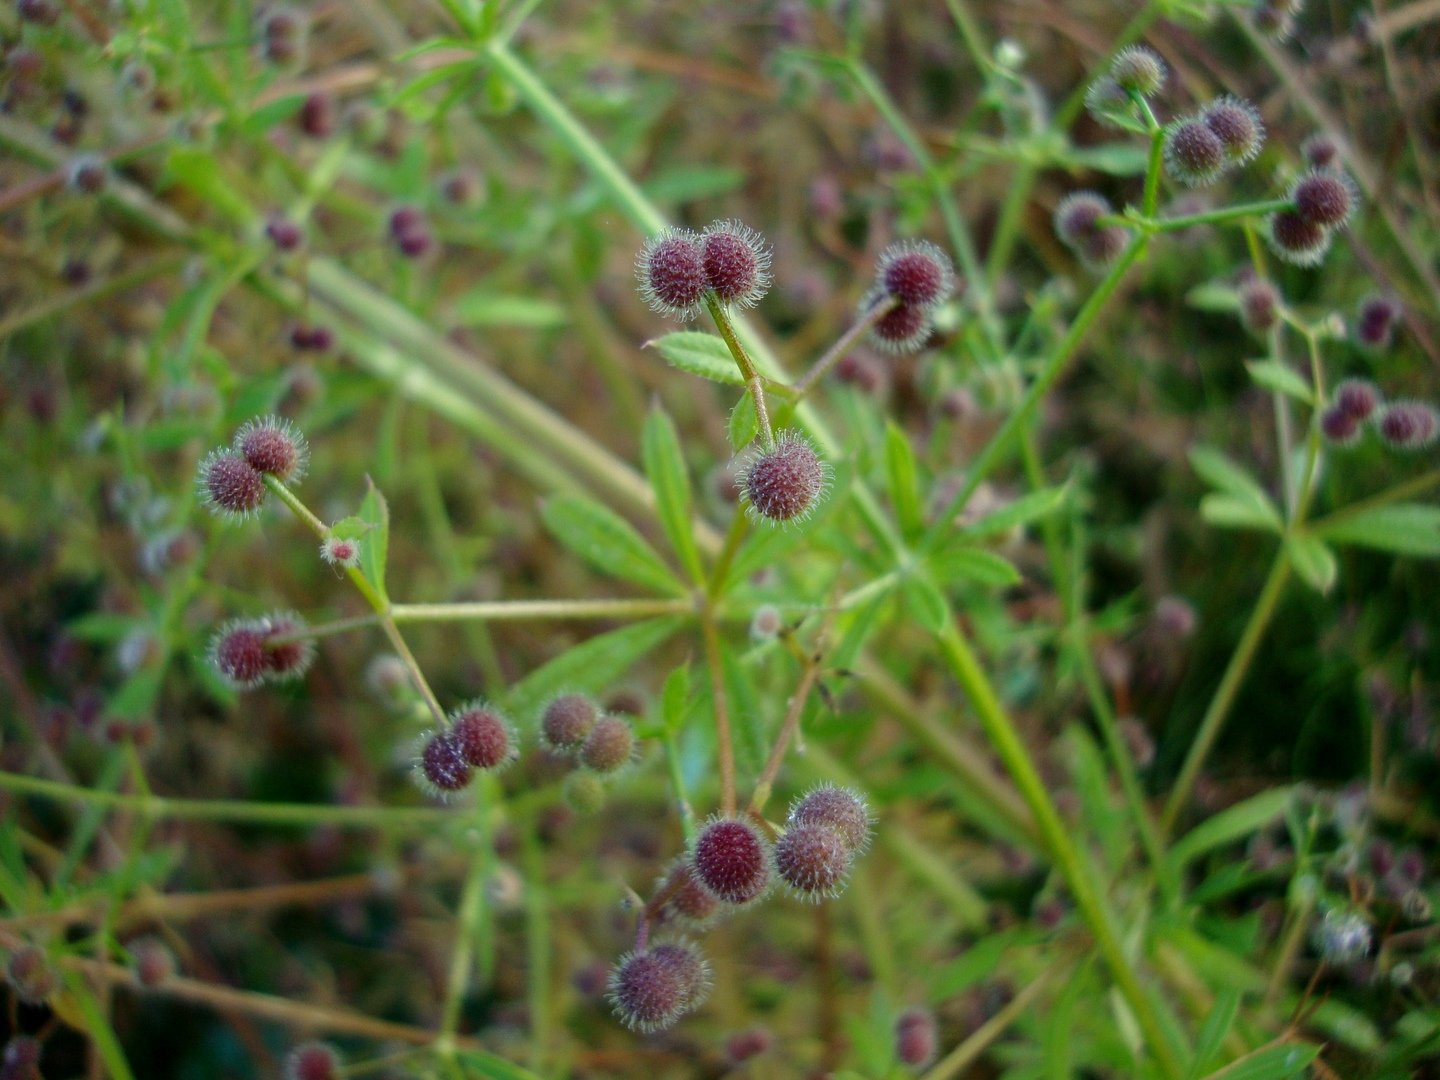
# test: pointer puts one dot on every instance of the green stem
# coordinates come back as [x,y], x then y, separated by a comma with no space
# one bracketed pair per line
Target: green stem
[1019,416]
[468,919]
[955,226]
[847,341]
[1417,485]
[1069,860]
[748,372]
[158,807]
[1154,161]
[1243,212]
[1225,693]
[379,603]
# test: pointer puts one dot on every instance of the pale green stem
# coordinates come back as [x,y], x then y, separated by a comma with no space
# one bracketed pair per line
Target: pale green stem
[1019,416]
[748,372]
[158,807]
[955,227]
[1152,169]
[468,920]
[1235,672]
[724,745]
[377,602]
[1416,486]
[969,1051]
[847,341]
[1069,859]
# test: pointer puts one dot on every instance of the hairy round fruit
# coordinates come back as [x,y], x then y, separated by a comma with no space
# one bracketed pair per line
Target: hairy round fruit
[736,263]
[692,970]
[785,482]
[1359,398]
[1297,240]
[485,739]
[153,961]
[610,746]
[1108,103]
[272,445]
[312,1061]
[318,115]
[647,991]
[584,792]
[671,270]
[340,551]
[1194,154]
[1077,223]
[30,975]
[813,860]
[442,767]
[1324,197]
[1375,322]
[917,273]
[88,174]
[239,654]
[285,660]
[283,232]
[1320,151]
[229,485]
[1137,69]
[917,1038]
[685,900]
[567,721]
[902,329]
[1259,305]
[1408,425]
[1237,124]
[1338,427]
[837,808]
[731,860]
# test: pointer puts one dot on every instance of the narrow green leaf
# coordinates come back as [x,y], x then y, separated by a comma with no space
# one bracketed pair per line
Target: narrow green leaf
[375,549]
[665,466]
[1225,475]
[1212,1033]
[1234,823]
[699,354]
[591,666]
[480,307]
[1235,512]
[744,424]
[1022,511]
[675,698]
[1312,560]
[98,1028]
[1274,1063]
[487,1066]
[904,480]
[198,170]
[1213,296]
[925,602]
[958,564]
[607,541]
[1274,375]
[1404,528]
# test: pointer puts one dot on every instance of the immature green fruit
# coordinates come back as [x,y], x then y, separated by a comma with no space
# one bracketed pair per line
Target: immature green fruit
[1138,70]
[584,793]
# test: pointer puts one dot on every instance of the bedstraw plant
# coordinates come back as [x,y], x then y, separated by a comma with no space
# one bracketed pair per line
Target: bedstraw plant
[963,610]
